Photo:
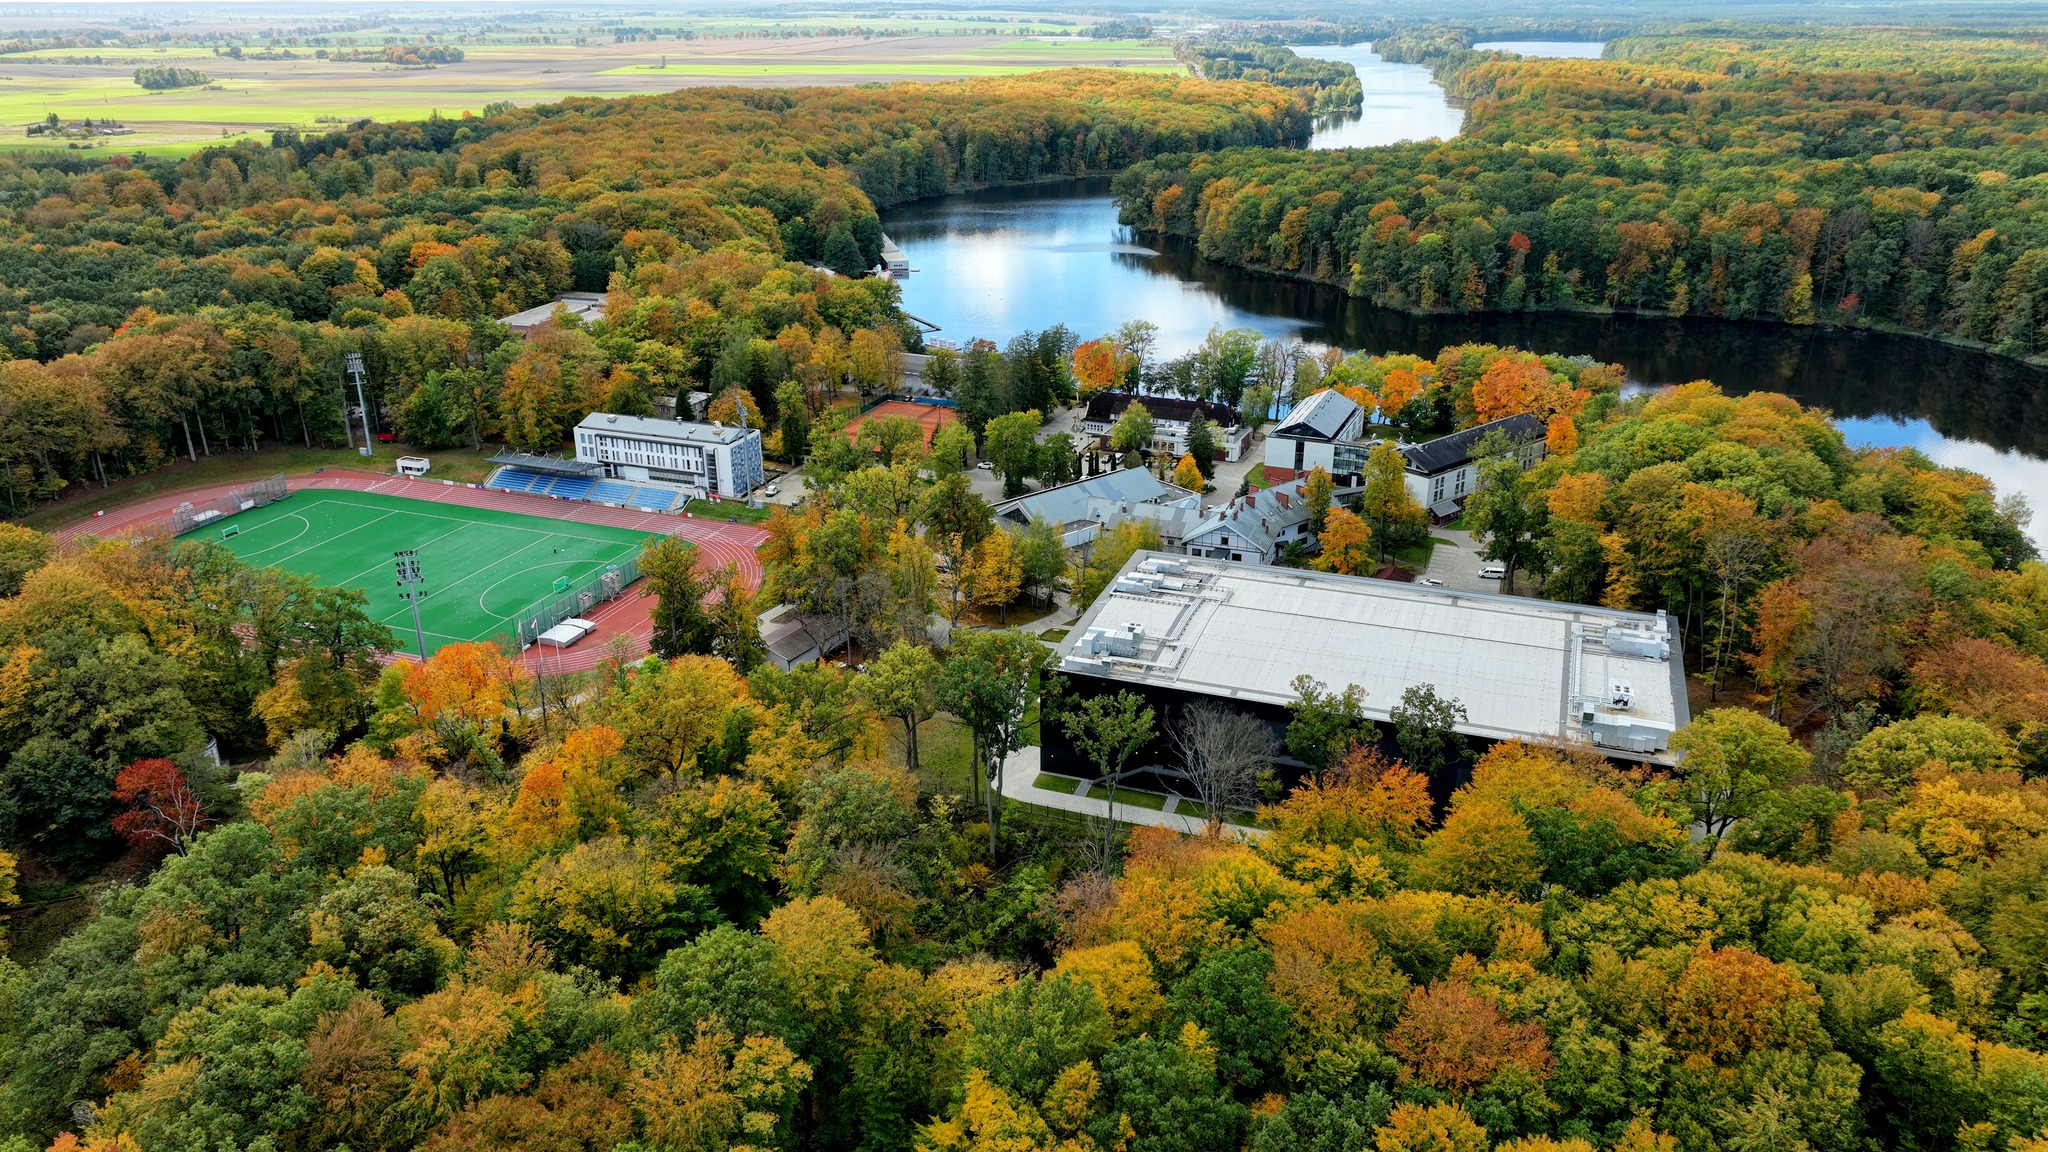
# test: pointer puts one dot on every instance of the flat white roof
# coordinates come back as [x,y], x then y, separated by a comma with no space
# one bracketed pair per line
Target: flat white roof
[1528,669]
[656,428]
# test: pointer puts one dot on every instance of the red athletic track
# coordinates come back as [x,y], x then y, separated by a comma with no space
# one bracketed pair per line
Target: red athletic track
[717,544]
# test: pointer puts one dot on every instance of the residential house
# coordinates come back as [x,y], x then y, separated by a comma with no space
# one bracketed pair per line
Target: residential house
[1256,528]
[1170,419]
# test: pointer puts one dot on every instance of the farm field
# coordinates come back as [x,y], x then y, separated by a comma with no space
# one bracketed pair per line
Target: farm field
[251,97]
[482,567]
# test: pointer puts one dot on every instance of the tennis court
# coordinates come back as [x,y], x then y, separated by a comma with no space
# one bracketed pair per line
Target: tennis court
[481,568]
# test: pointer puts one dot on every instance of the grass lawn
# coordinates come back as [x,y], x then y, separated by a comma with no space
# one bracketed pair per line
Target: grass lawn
[728,510]
[458,464]
[1053,635]
[945,754]
[483,568]
[1052,783]
[1133,798]
[1416,556]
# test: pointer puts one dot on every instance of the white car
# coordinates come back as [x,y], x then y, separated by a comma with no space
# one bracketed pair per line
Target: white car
[986,466]
[772,490]
[1493,572]
[1432,581]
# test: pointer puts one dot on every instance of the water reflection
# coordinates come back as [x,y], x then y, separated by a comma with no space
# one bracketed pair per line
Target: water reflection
[999,262]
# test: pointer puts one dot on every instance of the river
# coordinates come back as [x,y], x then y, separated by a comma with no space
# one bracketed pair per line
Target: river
[998,262]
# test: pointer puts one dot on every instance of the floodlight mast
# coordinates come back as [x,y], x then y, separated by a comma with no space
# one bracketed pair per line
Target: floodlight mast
[355,375]
[409,581]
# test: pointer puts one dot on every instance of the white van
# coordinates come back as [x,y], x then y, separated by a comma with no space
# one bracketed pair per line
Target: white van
[1493,572]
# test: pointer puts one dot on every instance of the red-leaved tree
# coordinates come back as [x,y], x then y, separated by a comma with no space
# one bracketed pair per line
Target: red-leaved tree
[161,805]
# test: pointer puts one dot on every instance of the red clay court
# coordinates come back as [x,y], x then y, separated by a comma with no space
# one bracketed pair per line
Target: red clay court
[929,415]
[717,543]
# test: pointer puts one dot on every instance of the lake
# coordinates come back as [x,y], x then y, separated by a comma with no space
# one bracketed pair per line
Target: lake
[998,262]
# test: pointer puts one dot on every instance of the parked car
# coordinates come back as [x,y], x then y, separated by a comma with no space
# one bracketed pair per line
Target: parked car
[1432,581]
[986,466]
[387,437]
[1493,572]
[772,490]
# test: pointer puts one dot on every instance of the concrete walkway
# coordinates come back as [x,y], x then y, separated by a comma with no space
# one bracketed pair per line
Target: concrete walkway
[1020,772]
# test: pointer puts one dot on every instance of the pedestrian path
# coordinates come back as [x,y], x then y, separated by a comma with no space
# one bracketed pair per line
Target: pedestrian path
[1020,775]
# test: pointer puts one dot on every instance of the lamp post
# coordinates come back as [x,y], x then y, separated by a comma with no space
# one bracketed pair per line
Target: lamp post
[409,580]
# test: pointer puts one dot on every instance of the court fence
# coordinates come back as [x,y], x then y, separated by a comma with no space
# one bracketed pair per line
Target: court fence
[544,614]
[187,516]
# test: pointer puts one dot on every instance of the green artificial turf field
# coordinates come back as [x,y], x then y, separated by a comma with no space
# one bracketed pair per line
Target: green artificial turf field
[481,567]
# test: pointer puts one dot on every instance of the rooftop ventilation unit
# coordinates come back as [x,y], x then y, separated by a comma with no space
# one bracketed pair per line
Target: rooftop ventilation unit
[1651,642]
[1117,640]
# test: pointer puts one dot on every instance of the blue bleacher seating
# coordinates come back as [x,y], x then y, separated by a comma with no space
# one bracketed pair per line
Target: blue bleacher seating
[612,492]
[654,499]
[572,487]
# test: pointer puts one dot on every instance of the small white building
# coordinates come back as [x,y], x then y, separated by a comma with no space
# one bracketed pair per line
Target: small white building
[1170,418]
[722,461]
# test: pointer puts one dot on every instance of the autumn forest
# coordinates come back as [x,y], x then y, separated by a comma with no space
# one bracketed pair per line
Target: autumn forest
[269,889]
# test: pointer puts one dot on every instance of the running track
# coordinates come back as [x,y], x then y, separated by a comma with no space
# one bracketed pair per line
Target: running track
[717,544]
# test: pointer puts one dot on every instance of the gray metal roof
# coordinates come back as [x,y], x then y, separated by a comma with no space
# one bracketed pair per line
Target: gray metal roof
[655,428]
[1523,668]
[1069,502]
[1323,416]
[1262,519]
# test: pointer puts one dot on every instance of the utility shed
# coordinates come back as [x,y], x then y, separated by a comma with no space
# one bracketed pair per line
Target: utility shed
[1182,628]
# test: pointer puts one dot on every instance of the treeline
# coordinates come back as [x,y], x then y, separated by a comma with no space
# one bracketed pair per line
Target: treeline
[407,56]
[1332,85]
[156,306]
[1809,176]
[164,76]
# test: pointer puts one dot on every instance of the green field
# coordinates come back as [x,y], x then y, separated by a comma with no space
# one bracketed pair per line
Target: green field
[481,567]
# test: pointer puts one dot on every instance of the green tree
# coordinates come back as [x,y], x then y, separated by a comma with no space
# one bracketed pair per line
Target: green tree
[902,683]
[1027,1034]
[1229,997]
[1394,514]
[22,551]
[1322,724]
[1132,431]
[1108,731]
[1315,496]
[1042,558]
[796,422]
[377,927]
[1011,444]
[987,683]
[1507,511]
[1425,728]
[681,625]
[1732,758]
[952,445]
[1201,444]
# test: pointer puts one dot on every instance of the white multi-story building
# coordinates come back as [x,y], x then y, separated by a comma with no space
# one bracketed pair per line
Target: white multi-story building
[1170,419]
[722,461]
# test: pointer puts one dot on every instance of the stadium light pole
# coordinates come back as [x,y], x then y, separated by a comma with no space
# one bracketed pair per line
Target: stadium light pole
[355,373]
[409,580]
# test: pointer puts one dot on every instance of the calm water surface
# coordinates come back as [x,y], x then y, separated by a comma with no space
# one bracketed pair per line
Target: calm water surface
[1002,261]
